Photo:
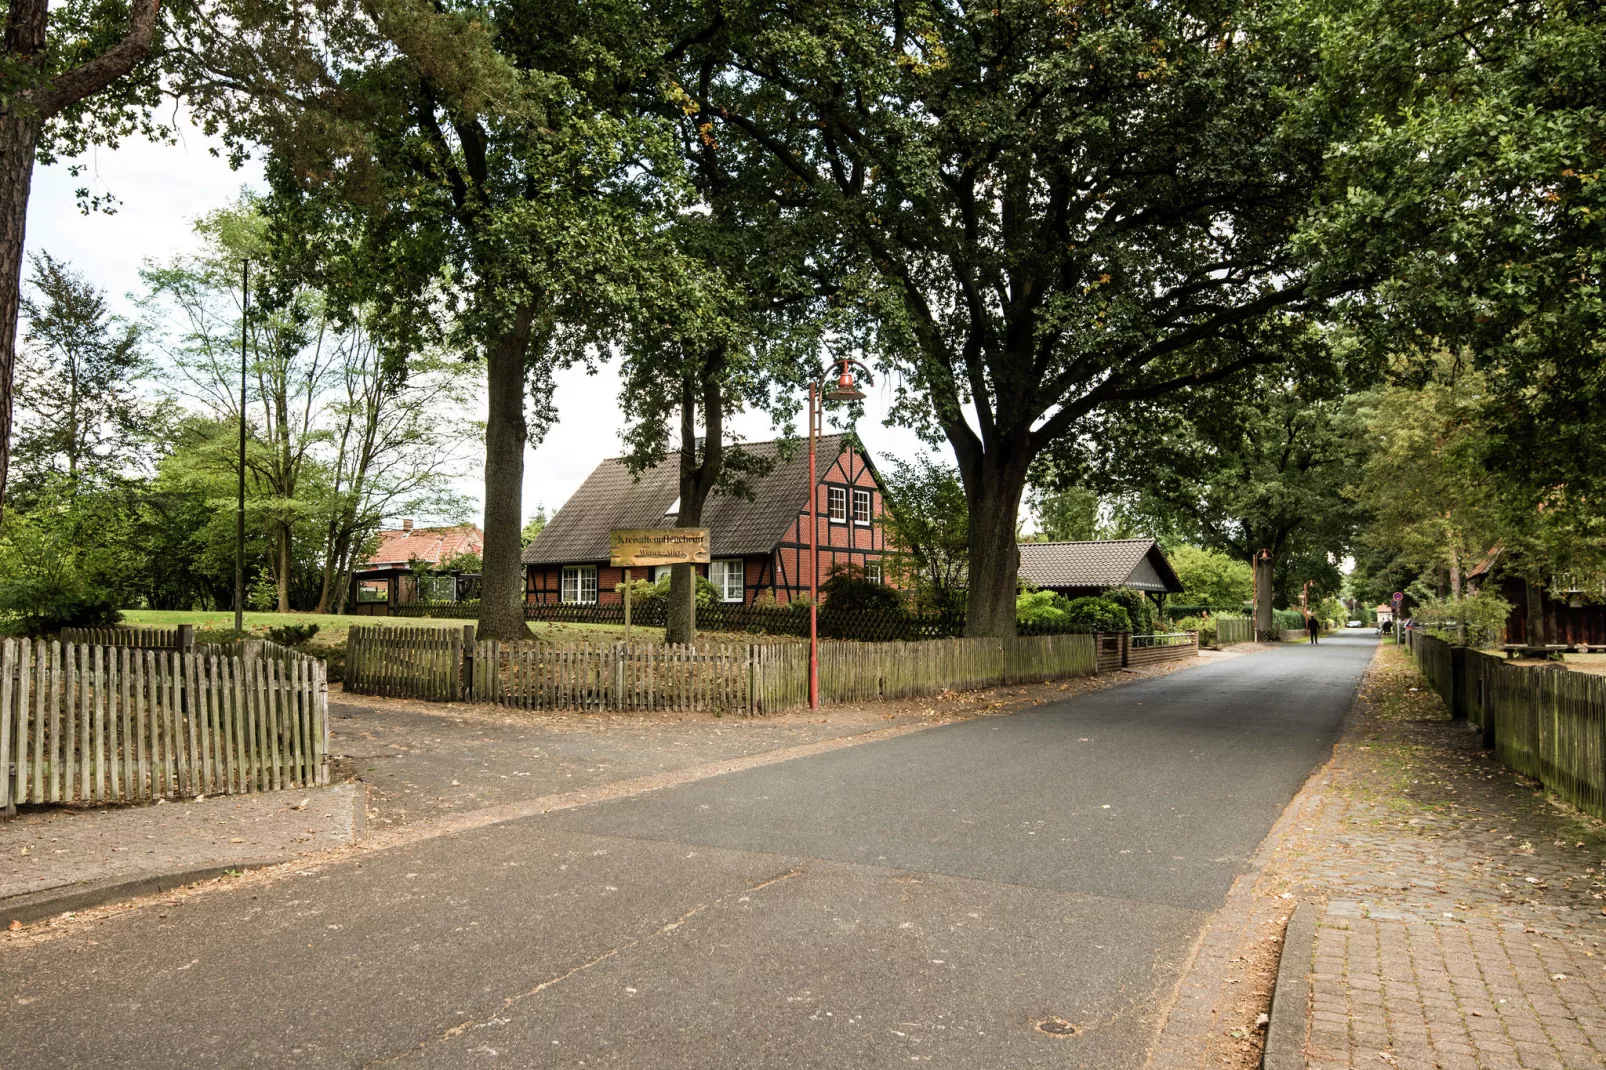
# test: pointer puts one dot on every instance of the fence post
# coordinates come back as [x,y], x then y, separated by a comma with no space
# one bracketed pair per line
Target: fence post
[1486,698]
[1126,649]
[465,676]
[8,802]
[1458,683]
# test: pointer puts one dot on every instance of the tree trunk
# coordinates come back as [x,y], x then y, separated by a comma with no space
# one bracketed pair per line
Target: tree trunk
[680,623]
[19,135]
[1265,582]
[1534,595]
[698,475]
[335,574]
[283,565]
[994,485]
[25,25]
[502,580]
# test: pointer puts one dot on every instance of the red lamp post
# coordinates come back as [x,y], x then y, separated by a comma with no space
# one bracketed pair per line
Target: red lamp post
[844,390]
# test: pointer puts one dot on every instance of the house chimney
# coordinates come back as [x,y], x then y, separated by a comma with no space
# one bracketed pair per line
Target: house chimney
[407,525]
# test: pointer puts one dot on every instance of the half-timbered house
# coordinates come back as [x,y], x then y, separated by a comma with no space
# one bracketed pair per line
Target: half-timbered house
[759,545]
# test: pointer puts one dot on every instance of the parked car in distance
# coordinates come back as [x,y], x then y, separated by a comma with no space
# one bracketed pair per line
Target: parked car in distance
[1352,624]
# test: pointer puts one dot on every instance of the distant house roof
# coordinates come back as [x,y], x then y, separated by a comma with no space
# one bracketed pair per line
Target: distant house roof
[1483,567]
[1100,563]
[432,546]
[612,498]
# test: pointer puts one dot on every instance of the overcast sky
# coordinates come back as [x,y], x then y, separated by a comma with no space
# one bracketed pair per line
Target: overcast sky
[163,188]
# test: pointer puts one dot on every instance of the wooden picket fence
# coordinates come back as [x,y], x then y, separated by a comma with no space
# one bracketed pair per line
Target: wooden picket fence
[407,662]
[103,724]
[1549,724]
[1234,630]
[613,676]
[750,678]
[144,638]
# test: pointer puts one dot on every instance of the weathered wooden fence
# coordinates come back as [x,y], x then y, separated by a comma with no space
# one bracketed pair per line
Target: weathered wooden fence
[179,638]
[110,724]
[407,662]
[749,678]
[1234,630]
[1547,723]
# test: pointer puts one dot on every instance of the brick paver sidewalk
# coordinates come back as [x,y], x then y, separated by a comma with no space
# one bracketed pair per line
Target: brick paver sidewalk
[1462,924]
[1461,916]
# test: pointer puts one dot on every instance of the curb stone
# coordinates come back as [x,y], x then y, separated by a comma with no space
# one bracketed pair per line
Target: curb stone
[36,906]
[1290,999]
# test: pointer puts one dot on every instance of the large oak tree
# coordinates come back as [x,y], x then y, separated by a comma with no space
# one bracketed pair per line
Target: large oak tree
[472,171]
[1053,207]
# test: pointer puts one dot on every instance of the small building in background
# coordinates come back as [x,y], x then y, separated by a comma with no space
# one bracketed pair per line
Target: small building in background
[410,565]
[759,545]
[1080,569]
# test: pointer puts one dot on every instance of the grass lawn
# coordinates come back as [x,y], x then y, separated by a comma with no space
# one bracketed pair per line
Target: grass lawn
[332,628]
[223,621]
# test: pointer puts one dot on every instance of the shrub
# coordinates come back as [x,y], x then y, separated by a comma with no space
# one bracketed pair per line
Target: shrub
[47,577]
[1288,620]
[264,593]
[292,634]
[1040,607]
[1093,614]
[644,593]
[1205,626]
[1139,608]
[1475,620]
[846,590]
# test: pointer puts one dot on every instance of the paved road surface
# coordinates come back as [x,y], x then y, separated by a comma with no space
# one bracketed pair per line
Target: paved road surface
[923,900]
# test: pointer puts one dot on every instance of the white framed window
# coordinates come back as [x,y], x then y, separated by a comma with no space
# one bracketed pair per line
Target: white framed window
[872,572]
[726,576]
[661,572]
[836,504]
[861,508]
[437,588]
[580,584]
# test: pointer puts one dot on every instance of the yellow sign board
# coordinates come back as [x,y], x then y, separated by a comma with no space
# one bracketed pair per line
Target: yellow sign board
[637,547]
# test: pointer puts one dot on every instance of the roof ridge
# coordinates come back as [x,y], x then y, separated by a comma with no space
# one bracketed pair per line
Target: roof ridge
[802,441]
[1085,542]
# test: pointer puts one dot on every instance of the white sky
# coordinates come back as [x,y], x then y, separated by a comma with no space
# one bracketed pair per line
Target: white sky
[163,188]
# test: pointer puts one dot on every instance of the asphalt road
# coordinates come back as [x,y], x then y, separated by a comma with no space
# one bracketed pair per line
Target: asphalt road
[925,899]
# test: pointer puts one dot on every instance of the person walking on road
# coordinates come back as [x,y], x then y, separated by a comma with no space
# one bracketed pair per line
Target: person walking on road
[1313,626]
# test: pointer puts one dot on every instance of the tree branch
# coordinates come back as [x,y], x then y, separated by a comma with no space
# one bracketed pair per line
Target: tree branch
[69,87]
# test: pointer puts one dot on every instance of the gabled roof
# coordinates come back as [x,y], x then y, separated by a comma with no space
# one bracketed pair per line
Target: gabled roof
[1482,568]
[612,498]
[1101,563]
[429,545]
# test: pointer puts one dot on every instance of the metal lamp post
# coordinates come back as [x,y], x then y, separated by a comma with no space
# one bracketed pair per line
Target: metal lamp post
[844,390]
[239,510]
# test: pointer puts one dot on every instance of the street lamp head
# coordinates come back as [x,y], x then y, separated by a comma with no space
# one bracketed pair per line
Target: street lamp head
[845,390]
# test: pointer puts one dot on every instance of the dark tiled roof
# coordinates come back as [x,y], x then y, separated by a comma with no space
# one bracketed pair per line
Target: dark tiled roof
[1136,563]
[611,498]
